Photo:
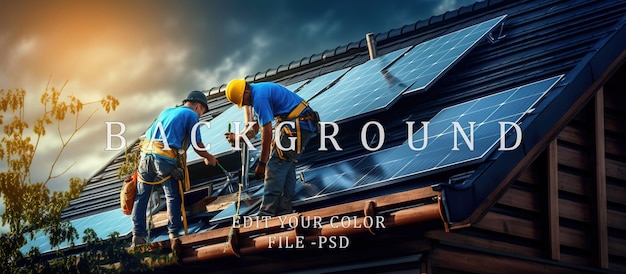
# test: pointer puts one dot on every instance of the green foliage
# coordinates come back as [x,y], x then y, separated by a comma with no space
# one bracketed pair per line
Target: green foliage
[131,160]
[31,206]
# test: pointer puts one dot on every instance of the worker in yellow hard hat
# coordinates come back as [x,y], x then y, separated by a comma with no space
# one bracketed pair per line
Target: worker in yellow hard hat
[297,123]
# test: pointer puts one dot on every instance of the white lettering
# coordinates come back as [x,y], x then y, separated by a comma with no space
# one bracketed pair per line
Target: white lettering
[159,128]
[323,136]
[334,219]
[194,142]
[244,136]
[518,136]
[292,140]
[469,141]
[410,135]
[119,136]
[381,133]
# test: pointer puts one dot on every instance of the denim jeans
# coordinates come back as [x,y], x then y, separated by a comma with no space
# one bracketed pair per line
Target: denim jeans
[280,177]
[153,169]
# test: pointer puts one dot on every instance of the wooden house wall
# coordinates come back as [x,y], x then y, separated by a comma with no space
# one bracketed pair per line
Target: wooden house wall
[566,211]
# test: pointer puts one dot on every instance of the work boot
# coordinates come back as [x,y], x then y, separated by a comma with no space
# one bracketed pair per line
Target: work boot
[137,240]
[284,206]
[269,205]
[177,248]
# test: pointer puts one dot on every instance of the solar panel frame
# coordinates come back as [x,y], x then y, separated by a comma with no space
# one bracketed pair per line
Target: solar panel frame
[295,86]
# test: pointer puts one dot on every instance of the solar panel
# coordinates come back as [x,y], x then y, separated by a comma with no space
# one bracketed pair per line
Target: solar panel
[401,162]
[428,61]
[362,89]
[377,84]
[103,224]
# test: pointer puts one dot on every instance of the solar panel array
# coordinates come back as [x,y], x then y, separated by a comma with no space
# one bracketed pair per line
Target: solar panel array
[377,84]
[402,162]
[371,86]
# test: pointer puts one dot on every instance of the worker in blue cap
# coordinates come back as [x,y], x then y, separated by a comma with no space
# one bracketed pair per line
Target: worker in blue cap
[163,162]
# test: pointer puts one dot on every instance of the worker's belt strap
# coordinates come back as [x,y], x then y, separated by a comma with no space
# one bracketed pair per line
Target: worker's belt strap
[182,202]
[290,133]
[156,147]
[295,112]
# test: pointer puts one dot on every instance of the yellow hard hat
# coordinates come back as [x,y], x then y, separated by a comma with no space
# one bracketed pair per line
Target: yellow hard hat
[234,91]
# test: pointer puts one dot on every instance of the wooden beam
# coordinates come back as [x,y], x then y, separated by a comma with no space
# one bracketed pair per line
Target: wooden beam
[553,201]
[459,260]
[601,208]
[483,242]
[510,225]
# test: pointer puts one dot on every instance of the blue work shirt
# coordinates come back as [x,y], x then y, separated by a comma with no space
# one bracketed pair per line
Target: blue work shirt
[270,100]
[177,124]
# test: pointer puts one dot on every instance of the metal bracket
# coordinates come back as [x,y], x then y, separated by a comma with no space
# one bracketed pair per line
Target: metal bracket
[493,39]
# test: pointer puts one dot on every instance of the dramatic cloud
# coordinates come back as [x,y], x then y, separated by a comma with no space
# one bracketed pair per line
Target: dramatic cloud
[150,54]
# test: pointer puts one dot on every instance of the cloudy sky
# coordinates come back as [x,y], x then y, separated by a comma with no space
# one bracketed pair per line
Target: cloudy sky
[150,54]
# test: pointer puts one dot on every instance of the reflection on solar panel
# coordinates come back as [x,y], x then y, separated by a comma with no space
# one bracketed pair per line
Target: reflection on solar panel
[377,83]
[318,84]
[103,224]
[428,61]
[362,89]
[401,162]
[295,86]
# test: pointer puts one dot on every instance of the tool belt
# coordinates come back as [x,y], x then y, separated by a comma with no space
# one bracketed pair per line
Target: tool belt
[298,114]
[295,114]
[179,173]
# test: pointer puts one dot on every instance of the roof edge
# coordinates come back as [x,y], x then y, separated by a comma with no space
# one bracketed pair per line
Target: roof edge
[589,73]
